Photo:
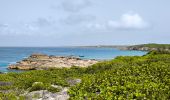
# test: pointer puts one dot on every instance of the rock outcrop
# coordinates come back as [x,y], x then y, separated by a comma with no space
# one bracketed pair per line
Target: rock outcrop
[41,61]
[47,95]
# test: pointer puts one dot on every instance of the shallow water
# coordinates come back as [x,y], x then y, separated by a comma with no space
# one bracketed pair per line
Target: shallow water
[10,55]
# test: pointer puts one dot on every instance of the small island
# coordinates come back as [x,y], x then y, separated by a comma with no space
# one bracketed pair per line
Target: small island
[41,61]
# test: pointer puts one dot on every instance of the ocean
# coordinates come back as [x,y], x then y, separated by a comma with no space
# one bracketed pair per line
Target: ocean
[10,55]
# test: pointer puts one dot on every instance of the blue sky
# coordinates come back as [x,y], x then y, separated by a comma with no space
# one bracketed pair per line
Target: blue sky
[83,22]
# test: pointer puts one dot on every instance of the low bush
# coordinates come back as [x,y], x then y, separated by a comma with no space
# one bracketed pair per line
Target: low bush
[53,89]
[37,86]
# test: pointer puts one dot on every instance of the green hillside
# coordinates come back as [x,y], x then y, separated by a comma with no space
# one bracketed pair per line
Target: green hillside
[152,46]
[125,77]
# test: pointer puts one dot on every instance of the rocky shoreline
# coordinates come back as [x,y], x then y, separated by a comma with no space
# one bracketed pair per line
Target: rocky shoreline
[145,48]
[141,47]
[42,61]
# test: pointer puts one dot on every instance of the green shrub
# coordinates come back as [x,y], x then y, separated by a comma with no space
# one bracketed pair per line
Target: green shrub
[38,86]
[8,96]
[53,89]
[146,77]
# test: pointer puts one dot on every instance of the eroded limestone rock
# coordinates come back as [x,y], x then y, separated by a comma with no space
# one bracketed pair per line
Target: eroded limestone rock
[41,61]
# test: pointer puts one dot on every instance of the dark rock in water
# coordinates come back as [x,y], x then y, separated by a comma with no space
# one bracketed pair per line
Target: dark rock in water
[42,61]
[38,55]
[81,56]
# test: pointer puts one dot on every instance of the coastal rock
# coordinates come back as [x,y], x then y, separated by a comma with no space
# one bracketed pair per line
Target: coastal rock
[42,61]
[39,56]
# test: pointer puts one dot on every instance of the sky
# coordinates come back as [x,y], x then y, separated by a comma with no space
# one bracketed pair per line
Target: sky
[83,22]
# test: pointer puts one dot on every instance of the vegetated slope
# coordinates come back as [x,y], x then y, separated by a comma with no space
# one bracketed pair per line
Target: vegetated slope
[150,47]
[12,85]
[137,77]
[146,77]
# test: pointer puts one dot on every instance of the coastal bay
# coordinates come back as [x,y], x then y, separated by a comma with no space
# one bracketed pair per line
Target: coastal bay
[12,55]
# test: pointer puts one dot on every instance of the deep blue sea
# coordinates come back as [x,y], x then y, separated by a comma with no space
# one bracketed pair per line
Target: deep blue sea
[10,55]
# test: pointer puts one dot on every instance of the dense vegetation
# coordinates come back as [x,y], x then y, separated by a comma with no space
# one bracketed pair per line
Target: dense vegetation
[153,45]
[125,77]
[146,77]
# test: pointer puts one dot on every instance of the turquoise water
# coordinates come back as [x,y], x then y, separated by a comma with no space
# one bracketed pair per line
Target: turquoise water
[10,55]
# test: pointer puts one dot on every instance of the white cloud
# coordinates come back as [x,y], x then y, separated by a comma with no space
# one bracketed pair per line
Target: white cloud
[43,26]
[40,23]
[75,19]
[96,26]
[129,21]
[75,5]
[3,28]
[3,25]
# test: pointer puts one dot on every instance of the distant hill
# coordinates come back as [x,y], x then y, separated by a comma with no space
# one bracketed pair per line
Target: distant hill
[122,47]
[142,47]
[150,47]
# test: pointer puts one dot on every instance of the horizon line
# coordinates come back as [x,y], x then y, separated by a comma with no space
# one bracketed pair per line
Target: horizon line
[83,45]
